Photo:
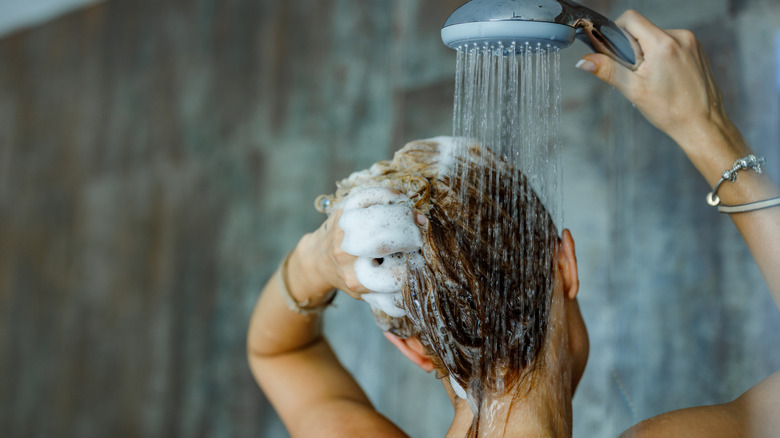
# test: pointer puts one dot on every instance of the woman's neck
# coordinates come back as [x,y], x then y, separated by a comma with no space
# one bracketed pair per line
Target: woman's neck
[545,411]
[540,406]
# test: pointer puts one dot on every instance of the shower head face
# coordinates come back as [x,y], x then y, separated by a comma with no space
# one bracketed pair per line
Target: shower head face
[547,22]
[506,33]
[492,22]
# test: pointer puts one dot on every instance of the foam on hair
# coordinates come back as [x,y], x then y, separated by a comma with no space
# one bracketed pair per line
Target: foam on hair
[379,206]
[477,296]
[380,229]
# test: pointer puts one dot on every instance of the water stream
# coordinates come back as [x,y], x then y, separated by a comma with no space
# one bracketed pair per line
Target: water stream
[511,105]
[506,116]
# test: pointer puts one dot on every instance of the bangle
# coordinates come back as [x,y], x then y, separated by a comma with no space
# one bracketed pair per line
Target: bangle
[748,162]
[300,308]
[751,206]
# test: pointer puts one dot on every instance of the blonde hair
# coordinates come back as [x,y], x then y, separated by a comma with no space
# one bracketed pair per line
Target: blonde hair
[482,318]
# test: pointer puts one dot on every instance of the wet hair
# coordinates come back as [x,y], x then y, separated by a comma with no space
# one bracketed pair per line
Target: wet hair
[480,302]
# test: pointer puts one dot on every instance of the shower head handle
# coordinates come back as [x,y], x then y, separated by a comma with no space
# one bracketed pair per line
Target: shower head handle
[600,33]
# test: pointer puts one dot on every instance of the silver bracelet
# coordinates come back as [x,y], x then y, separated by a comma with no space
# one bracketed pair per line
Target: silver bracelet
[748,162]
[300,308]
[750,206]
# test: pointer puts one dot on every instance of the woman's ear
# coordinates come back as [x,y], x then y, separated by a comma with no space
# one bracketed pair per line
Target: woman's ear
[567,266]
[413,349]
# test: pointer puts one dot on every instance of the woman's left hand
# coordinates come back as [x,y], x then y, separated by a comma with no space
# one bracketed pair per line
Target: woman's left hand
[673,87]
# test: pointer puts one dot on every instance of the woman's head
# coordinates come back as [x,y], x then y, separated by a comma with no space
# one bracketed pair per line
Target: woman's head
[480,303]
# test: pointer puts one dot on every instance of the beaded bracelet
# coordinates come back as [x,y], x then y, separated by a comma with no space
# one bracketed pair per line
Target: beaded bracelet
[747,162]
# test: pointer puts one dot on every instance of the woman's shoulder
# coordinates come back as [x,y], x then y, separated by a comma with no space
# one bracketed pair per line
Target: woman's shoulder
[756,413]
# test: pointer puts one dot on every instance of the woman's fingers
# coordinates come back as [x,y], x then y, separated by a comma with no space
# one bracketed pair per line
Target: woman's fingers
[608,70]
[373,196]
[380,233]
[380,230]
[647,36]
[639,27]
[384,275]
[352,285]
[673,87]
[684,37]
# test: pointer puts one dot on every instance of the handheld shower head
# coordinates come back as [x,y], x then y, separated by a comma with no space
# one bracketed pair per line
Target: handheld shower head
[554,22]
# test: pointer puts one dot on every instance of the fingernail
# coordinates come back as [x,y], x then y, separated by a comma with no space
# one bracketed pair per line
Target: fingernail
[422,219]
[584,64]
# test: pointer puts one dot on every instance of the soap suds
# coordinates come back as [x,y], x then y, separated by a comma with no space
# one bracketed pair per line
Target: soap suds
[374,196]
[384,278]
[380,229]
[459,391]
[448,147]
[387,303]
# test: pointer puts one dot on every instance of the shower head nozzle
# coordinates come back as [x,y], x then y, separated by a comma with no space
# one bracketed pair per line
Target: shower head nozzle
[501,23]
[506,33]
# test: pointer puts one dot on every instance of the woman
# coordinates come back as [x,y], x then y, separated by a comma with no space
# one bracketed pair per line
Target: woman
[315,396]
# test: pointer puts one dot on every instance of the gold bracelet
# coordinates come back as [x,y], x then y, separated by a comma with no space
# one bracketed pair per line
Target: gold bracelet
[300,308]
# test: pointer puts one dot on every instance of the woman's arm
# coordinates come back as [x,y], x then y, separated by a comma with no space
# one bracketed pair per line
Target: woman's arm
[294,365]
[675,90]
[313,270]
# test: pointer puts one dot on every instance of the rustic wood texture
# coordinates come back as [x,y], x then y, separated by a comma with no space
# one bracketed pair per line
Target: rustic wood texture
[157,160]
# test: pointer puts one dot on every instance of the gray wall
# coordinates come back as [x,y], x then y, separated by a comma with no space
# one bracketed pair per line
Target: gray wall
[157,160]
[16,15]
